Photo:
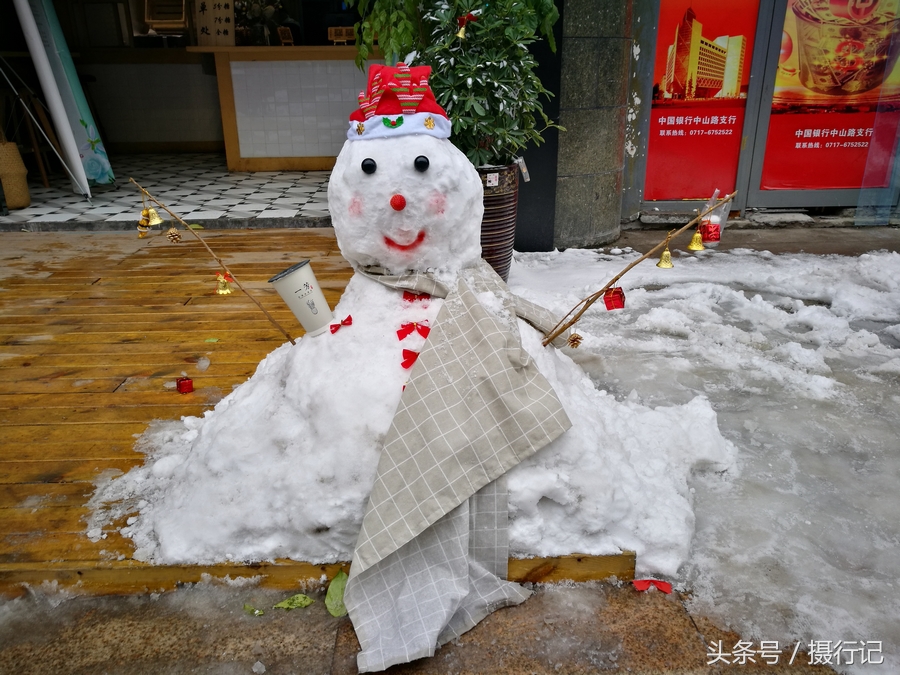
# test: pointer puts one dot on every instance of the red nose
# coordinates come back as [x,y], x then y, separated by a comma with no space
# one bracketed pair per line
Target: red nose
[398,202]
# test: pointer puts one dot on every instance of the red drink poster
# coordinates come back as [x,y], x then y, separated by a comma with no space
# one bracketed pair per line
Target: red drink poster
[703,50]
[837,96]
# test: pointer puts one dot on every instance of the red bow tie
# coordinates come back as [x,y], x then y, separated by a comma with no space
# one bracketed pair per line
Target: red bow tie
[335,327]
[644,584]
[414,297]
[406,329]
[409,358]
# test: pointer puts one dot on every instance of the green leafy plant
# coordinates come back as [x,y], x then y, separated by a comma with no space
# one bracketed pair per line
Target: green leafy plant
[395,25]
[486,80]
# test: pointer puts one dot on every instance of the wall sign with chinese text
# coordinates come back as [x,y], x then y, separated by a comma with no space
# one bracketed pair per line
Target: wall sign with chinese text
[837,96]
[702,68]
[215,23]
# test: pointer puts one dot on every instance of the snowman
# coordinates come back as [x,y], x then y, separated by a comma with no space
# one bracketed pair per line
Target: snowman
[430,560]
[426,429]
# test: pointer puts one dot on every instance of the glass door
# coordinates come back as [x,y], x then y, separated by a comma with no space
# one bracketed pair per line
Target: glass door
[830,106]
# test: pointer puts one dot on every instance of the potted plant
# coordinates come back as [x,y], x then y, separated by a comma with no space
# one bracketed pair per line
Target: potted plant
[484,77]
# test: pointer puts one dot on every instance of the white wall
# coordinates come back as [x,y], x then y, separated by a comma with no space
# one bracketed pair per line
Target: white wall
[294,108]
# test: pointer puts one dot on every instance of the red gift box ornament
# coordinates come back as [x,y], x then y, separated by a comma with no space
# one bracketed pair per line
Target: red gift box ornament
[185,385]
[614,298]
[710,232]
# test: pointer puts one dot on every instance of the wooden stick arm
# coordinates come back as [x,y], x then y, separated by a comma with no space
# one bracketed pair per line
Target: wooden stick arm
[579,309]
[215,257]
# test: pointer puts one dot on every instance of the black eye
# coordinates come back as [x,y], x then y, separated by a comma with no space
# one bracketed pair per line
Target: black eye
[421,163]
[369,166]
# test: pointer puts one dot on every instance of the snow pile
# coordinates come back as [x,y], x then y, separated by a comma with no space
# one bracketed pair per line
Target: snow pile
[282,467]
[798,355]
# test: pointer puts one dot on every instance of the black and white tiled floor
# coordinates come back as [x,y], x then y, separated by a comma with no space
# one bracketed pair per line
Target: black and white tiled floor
[196,187]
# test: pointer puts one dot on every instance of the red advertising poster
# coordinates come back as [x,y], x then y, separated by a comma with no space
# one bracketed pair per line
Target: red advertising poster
[837,96]
[703,50]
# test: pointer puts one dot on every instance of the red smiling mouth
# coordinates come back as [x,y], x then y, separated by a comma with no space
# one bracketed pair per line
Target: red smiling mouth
[405,247]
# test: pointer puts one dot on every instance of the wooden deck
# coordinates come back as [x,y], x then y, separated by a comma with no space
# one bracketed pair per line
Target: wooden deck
[94,330]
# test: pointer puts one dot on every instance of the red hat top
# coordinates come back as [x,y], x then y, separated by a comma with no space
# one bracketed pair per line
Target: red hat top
[398,101]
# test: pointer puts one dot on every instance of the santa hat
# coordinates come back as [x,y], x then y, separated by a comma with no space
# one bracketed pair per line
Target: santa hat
[397,101]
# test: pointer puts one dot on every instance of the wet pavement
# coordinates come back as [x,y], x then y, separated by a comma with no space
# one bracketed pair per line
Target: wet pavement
[595,627]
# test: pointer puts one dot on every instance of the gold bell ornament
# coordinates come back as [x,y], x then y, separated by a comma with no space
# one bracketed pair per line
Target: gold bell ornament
[462,21]
[153,217]
[223,287]
[696,242]
[665,260]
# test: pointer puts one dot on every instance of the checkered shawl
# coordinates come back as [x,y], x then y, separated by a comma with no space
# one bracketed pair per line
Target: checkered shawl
[431,555]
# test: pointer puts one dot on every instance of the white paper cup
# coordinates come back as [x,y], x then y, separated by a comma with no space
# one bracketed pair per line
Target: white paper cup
[300,291]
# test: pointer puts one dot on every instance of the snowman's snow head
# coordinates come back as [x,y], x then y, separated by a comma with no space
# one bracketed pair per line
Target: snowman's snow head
[401,195]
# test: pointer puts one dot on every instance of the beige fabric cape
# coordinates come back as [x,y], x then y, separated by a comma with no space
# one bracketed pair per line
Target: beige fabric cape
[430,561]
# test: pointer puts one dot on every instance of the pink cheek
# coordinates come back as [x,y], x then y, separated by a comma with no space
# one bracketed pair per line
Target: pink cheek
[356,207]
[437,203]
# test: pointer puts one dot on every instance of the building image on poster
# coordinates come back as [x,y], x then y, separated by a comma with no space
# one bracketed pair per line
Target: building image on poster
[836,103]
[701,72]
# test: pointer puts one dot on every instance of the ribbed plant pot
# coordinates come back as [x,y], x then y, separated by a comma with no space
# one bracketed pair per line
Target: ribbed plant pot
[498,227]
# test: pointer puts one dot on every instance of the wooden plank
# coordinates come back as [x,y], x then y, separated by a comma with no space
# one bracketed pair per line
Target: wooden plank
[184,313]
[186,324]
[117,401]
[40,547]
[124,371]
[15,521]
[44,495]
[76,417]
[128,576]
[222,333]
[573,567]
[63,471]
[207,386]
[11,438]
[131,350]
[165,357]
[82,449]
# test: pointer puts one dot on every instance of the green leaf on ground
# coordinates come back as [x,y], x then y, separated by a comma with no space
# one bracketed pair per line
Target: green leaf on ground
[294,602]
[252,611]
[211,340]
[334,597]
[195,226]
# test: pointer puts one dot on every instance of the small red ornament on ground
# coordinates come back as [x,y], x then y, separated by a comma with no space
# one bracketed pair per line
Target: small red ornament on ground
[645,584]
[614,298]
[185,385]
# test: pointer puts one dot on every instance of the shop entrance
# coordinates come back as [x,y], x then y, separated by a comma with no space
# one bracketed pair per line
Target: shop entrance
[794,103]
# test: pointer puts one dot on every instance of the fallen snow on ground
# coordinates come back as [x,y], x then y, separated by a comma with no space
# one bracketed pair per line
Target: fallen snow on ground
[800,357]
[785,531]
